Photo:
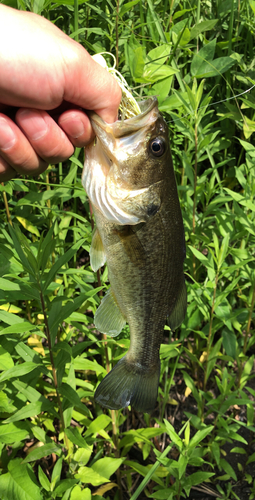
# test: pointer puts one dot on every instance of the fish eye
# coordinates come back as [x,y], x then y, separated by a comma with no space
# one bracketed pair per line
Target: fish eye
[157,146]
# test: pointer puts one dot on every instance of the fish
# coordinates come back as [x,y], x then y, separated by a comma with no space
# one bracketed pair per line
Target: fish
[129,179]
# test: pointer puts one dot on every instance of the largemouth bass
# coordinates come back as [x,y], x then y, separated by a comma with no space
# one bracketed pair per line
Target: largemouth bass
[129,178]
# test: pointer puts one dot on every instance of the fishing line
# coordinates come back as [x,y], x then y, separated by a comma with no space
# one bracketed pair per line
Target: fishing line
[129,107]
[213,103]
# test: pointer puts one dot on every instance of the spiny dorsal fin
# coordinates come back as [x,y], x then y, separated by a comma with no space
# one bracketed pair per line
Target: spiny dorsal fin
[108,317]
[97,253]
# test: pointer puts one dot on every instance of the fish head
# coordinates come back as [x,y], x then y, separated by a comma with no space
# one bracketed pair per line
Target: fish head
[128,158]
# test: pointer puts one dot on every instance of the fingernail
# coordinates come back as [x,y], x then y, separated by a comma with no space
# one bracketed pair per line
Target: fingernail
[7,136]
[73,128]
[34,125]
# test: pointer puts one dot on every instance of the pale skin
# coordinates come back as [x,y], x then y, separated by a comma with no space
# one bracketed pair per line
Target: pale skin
[47,81]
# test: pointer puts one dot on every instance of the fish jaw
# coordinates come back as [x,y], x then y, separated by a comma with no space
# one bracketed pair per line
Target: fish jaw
[107,176]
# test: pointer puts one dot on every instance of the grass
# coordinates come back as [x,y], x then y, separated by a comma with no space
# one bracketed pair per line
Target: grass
[54,441]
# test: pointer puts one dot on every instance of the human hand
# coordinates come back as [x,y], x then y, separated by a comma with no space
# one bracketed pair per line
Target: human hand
[46,80]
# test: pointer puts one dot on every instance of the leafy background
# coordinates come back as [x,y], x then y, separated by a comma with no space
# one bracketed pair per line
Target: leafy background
[55,442]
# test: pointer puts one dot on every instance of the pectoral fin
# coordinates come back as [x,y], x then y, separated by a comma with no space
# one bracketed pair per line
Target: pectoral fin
[97,253]
[108,317]
[132,245]
[178,314]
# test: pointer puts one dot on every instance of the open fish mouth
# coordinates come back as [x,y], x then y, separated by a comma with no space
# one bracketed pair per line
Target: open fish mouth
[104,178]
[120,128]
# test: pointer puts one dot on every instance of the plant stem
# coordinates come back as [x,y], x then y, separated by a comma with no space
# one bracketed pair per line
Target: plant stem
[194,200]
[54,372]
[198,19]
[117,33]
[249,320]
[76,19]
[151,472]
[142,23]
[6,206]
[210,328]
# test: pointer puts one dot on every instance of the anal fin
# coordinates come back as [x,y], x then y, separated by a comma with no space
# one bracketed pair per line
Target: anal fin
[97,253]
[108,317]
[178,314]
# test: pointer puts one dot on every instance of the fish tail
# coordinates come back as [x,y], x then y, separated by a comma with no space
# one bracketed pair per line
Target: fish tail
[129,383]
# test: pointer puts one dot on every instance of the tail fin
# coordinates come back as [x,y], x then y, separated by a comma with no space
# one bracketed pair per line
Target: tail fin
[129,383]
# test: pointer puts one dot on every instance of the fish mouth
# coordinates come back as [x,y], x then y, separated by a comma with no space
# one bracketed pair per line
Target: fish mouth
[122,140]
[120,128]
[103,178]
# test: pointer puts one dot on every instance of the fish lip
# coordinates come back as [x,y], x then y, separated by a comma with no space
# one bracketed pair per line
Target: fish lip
[120,128]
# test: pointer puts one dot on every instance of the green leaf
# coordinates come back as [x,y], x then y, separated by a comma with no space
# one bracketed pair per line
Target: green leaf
[18,371]
[203,65]
[23,250]
[144,470]
[127,6]
[78,494]
[6,361]
[88,475]
[61,262]
[173,435]
[43,479]
[199,436]
[229,342]
[236,449]
[82,455]
[251,459]
[68,392]
[163,494]
[27,411]
[201,27]
[19,483]
[228,468]
[81,363]
[63,486]
[11,433]
[28,226]
[196,478]
[46,247]
[98,424]
[42,451]
[212,358]
[107,465]
[75,437]
[22,327]
[156,20]
[200,256]
[5,404]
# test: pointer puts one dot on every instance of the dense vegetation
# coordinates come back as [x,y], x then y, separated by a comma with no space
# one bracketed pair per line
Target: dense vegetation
[55,441]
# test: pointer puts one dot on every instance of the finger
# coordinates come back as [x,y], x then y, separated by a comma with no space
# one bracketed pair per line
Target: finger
[46,137]
[16,151]
[6,171]
[77,127]
[90,86]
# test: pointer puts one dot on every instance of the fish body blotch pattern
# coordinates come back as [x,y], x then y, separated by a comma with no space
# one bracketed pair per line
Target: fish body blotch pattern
[129,178]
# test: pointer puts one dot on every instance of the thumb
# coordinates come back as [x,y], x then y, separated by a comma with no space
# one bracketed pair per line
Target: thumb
[91,87]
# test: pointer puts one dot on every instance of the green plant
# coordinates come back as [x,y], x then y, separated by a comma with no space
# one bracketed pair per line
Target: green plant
[54,441]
